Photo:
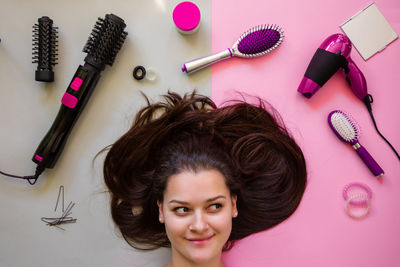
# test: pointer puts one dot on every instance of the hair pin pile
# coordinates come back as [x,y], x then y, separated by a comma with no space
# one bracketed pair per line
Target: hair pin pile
[65,217]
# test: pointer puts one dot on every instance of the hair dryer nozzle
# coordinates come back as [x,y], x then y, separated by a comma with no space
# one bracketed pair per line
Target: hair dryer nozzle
[308,87]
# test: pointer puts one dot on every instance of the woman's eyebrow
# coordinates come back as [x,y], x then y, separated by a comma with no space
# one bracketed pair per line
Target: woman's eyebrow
[187,203]
[215,198]
[178,201]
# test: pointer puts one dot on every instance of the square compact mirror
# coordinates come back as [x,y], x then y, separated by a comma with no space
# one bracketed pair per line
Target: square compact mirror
[369,31]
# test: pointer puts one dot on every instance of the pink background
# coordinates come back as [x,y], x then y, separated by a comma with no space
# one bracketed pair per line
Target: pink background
[319,233]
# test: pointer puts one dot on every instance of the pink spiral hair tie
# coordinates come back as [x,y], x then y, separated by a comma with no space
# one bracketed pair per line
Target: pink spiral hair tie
[358,201]
[364,212]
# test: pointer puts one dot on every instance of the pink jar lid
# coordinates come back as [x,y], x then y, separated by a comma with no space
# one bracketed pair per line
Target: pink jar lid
[186,16]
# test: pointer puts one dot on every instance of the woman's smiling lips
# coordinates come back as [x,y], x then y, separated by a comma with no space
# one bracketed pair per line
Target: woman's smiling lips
[200,241]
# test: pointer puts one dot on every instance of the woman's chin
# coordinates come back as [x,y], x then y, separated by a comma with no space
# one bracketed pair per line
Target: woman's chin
[203,256]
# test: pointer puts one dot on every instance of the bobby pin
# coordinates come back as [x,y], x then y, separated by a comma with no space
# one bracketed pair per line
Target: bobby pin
[60,191]
[56,221]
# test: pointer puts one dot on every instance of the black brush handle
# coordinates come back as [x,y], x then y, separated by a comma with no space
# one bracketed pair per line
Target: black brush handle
[73,102]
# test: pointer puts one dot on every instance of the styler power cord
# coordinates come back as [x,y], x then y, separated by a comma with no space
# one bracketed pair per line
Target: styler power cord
[31,178]
[367,101]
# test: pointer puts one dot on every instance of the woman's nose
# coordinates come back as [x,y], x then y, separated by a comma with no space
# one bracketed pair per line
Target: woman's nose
[199,223]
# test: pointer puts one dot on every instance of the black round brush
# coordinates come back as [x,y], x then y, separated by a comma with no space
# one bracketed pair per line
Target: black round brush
[105,41]
[44,49]
[102,46]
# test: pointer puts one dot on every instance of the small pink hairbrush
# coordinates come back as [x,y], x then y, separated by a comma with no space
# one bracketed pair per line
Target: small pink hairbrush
[255,42]
[347,131]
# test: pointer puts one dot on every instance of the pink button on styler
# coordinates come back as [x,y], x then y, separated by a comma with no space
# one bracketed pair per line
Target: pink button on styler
[186,17]
[39,158]
[69,100]
[76,83]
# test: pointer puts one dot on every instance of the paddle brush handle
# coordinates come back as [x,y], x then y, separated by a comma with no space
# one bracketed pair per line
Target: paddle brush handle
[372,165]
[203,62]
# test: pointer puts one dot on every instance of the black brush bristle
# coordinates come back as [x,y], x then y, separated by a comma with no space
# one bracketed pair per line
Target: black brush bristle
[105,41]
[45,45]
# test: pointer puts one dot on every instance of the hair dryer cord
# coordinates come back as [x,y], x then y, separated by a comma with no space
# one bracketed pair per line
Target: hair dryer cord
[367,101]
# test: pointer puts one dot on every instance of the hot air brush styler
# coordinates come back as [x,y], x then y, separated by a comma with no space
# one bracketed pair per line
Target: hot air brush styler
[255,42]
[102,47]
[346,130]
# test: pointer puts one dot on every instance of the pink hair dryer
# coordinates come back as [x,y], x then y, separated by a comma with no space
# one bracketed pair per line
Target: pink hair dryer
[332,54]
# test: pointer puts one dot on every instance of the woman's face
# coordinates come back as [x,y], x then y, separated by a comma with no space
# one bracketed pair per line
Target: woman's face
[197,210]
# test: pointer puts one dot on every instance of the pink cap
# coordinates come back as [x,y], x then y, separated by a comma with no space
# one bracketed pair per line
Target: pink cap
[186,17]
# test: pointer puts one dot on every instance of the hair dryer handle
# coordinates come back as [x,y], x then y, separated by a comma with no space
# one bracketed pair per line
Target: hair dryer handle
[369,161]
[356,79]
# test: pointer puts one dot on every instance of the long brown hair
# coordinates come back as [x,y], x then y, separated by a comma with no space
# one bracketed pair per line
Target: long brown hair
[261,163]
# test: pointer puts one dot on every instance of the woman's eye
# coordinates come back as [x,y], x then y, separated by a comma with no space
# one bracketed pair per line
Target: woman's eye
[214,207]
[181,210]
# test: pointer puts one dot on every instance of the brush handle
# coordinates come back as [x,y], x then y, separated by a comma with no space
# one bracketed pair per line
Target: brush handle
[368,160]
[203,62]
[73,102]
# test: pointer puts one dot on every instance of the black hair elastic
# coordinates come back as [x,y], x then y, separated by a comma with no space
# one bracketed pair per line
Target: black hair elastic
[139,72]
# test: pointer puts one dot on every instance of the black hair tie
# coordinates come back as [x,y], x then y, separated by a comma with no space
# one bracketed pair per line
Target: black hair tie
[139,72]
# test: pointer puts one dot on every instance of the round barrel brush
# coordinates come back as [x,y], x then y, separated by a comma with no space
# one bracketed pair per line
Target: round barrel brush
[44,49]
